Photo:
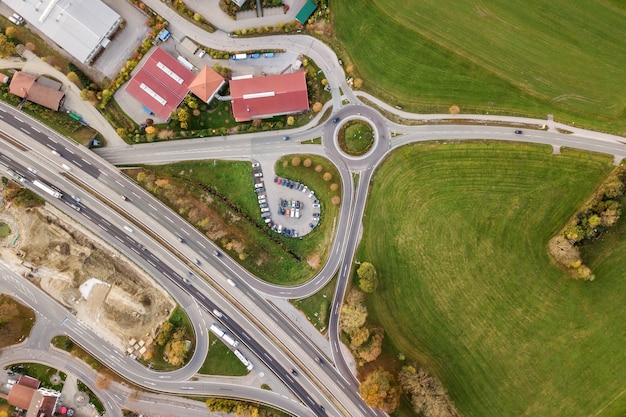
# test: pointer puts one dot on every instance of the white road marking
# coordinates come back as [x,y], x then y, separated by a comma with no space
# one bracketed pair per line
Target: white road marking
[85,161]
[70,151]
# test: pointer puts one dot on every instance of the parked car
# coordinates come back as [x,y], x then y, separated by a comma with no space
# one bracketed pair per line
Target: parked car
[258,174]
[256,165]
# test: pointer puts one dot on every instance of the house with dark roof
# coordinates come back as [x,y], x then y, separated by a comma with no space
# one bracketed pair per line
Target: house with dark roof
[161,83]
[206,84]
[273,95]
[27,86]
[27,394]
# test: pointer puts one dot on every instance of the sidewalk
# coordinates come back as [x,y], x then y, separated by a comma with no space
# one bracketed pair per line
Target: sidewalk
[35,66]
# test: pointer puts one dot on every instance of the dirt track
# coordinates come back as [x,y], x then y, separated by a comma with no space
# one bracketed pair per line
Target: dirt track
[120,301]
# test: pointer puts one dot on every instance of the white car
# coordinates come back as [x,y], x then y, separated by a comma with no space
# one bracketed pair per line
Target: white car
[256,165]
[32,170]
[258,174]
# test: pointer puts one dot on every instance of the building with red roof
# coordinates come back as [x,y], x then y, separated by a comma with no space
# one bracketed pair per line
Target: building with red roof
[161,83]
[274,95]
[26,394]
[206,84]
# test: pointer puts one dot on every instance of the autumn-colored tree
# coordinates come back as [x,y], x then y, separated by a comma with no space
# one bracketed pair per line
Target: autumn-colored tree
[72,77]
[165,333]
[7,48]
[428,396]
[359,336]
[371,350]
[197,17]
[317,107]
[380,390]
[11,31]
[368,277]
[353,316]
[295,161]
[307,162]
[454,109]
[176,351]
[327,176]
[151,130]
[290,120]
[30,46]
[358,83]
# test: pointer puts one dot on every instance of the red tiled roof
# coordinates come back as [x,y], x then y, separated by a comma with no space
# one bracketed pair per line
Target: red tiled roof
[260,97]
[206,84]
[25,86]
[161,84]
[21,395]
[29,381]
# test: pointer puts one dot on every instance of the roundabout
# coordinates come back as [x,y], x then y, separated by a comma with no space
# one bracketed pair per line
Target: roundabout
[355,137]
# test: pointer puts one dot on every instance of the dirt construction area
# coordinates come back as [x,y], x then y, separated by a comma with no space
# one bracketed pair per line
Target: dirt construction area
[84,274]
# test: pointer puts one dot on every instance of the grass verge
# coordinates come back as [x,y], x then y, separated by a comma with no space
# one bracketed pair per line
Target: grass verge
[221,360]
[467,287]
[217,197]
[316,308]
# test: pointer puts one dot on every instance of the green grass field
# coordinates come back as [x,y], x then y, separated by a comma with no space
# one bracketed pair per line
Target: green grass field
[533,58]
[458,235]
[221,360]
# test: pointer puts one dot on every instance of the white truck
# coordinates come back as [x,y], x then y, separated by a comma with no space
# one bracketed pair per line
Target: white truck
[47,189]
[221,333]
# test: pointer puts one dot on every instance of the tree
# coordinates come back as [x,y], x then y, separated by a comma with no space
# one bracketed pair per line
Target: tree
[165,333]
[427,394]
[7,48]
[371,351]
[454,109]
[72,77]
[380,390]
[359,336]
[317,107]
[368,277]
[11,31]
[290,121]
[353,316]
[151,130]
[176,351]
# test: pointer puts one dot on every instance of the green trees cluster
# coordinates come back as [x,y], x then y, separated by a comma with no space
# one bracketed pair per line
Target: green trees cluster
[601,212]
[368,277]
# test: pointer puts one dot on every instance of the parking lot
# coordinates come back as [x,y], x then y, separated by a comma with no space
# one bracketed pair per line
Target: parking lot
[290,208]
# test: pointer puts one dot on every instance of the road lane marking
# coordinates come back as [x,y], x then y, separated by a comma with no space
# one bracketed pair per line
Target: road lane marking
[135,194]
[18,119]
[85,161]
[24,130]
[120,184]
[152,207]
[198,242]
[70,151]
[52,139]
[35,129]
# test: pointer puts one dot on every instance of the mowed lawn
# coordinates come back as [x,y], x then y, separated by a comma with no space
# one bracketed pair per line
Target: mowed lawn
[530,57]
[458,234]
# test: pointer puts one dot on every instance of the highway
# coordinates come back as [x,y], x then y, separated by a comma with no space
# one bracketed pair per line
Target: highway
[111,204]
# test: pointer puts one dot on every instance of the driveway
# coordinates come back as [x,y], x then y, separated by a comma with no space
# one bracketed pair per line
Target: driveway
[125,41]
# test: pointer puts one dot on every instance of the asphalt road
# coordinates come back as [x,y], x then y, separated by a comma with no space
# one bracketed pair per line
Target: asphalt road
[154,241]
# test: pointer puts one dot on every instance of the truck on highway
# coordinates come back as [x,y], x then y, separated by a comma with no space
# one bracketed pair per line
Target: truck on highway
[243,360]
[222,334]
[47,189]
